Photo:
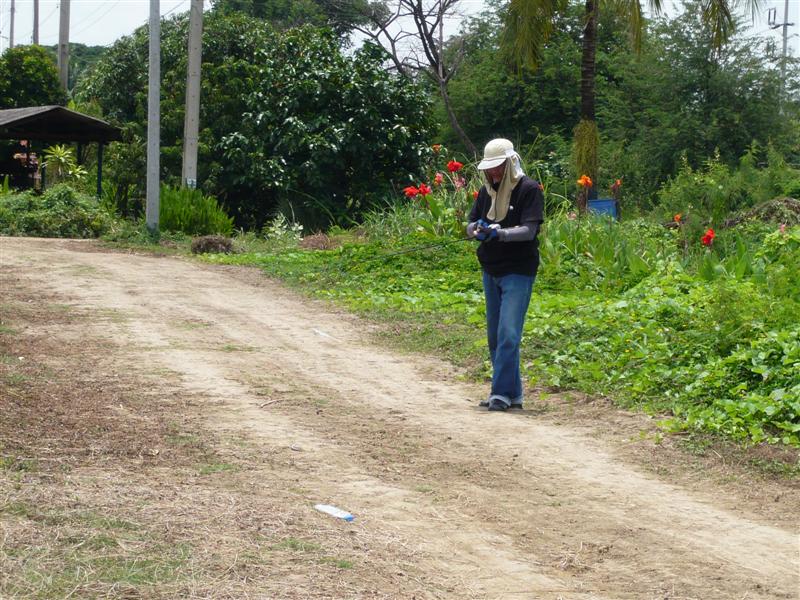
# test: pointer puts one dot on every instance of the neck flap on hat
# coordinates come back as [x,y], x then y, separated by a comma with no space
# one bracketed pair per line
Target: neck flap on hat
[501,198]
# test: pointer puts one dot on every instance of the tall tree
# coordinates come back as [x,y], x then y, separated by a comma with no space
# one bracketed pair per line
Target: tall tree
[412,31]
[529,24]
[339,15]
[29,77]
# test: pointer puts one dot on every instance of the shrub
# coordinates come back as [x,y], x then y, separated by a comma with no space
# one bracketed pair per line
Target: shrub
[189,211]
[59,212]
[324,146]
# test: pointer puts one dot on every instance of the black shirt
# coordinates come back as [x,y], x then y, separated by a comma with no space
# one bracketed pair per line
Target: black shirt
[504,258]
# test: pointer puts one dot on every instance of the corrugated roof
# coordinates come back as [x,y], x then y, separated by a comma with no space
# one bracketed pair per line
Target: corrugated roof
[54,124]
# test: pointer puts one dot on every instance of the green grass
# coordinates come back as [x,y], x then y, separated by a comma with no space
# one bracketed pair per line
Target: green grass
[339,563]
[184,439]
[634,311]
[237,348]
[297,545]
[16,379]
[210,469]
[10,463]
[84,552]
[303,546]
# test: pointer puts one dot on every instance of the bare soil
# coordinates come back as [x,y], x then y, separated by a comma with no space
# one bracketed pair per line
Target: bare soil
[166,428]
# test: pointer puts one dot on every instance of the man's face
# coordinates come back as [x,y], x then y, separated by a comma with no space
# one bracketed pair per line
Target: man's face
[495,174]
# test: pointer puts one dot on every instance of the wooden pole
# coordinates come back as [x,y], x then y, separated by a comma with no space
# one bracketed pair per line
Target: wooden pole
[153,118]
[11,27]
[36,22]
[191,125]
[100,147]
[63,45]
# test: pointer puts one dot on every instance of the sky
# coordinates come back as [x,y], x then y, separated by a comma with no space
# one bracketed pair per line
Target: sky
[101,22]
[92,22]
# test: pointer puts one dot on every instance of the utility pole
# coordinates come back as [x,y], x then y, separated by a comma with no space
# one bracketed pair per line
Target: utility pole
[63,45]
[36,22]
[11,27]
[771,15]
[191,124]
[153,119]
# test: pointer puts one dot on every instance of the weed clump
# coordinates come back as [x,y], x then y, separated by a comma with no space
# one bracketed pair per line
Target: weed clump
[212,244]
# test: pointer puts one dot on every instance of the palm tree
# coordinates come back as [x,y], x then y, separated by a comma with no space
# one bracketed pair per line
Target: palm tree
[530,22]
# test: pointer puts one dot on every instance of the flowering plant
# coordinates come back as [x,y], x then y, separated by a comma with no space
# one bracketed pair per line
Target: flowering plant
[615,189]
[447,200]
[584,185]
[453,166]
[708,238]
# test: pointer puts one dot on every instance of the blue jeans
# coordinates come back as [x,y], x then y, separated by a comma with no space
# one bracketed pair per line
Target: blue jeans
[507,300]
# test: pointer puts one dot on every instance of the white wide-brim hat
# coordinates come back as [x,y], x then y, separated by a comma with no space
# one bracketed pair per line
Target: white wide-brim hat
[495,153]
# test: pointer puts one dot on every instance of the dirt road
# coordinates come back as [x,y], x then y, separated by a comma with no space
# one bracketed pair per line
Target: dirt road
[450,501]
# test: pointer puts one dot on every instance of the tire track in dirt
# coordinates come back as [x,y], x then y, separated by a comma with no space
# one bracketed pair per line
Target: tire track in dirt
[503,505]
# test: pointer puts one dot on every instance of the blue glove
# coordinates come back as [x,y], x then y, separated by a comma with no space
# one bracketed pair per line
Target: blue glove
[485,232]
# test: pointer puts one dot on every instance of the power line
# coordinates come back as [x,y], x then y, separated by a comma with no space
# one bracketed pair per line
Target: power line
[177,6]
[43,21]
[93,23]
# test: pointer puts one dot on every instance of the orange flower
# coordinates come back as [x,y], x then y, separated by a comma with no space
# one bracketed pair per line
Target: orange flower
[585,181]
[436,148]
[475,195]
[677,218]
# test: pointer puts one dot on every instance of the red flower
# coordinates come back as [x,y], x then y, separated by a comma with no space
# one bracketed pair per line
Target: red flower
[438,179]
[708,238]
[475,195]
[677,218]
[424,190]
[454,166]
[410,191]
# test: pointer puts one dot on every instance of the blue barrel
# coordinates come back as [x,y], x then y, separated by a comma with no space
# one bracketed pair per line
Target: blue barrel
[605,206]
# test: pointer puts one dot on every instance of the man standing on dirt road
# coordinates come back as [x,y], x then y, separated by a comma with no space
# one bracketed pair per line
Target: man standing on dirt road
[505,218]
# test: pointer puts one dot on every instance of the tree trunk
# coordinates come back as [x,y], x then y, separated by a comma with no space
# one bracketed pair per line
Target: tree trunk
[586,142]
[588,61]
[454,122]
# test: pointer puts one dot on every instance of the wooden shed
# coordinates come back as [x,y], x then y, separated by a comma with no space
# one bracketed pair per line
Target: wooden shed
[57,124]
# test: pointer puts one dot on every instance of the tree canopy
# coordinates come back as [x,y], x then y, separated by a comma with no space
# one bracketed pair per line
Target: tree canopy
[339,15]
[29,77]
[678,97]
[288,121]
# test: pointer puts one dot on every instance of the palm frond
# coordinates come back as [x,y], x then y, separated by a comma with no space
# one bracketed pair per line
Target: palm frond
[717,15]
[528,25]
[632,11]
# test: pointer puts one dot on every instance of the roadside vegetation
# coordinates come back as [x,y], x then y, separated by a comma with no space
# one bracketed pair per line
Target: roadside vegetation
[697,327]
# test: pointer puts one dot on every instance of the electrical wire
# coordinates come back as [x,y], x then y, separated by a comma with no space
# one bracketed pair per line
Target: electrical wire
[93,23]
[29,35]
[177,6]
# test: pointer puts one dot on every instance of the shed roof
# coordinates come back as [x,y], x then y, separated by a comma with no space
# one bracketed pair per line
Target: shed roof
[54,124]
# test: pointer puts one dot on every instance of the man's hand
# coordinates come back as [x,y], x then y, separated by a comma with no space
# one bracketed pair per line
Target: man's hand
[485,232]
